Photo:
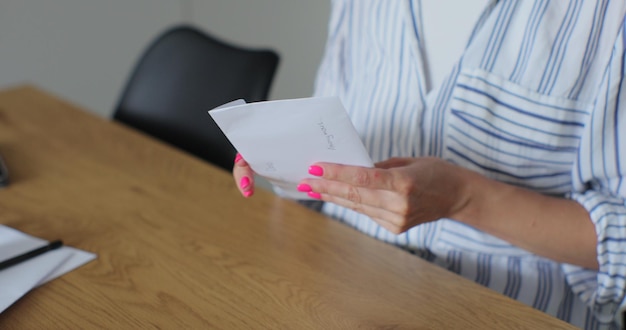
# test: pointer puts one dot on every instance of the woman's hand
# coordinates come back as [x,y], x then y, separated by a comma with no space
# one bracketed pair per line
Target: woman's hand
[401,193]
[398,193]
[244,176]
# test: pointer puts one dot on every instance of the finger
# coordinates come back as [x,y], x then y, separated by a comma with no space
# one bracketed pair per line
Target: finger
[383,199]
[372,178]
[239,160]
[244,177]
[394,162]
[388,220]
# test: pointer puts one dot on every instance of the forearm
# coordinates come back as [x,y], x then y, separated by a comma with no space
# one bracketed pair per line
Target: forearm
[556,228]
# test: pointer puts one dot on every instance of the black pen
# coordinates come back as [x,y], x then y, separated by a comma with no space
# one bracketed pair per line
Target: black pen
[30,254]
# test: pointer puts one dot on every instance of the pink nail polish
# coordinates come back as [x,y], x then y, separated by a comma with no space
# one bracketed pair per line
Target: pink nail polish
[238,157]
[245,182]
[303,187]
[316,170]
[314,195]
[248,193]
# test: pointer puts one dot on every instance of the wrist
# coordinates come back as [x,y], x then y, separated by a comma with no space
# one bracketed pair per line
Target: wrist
[485,202]
[472,192]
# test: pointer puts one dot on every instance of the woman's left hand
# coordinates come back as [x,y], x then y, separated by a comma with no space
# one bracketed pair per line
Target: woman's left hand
[398,193]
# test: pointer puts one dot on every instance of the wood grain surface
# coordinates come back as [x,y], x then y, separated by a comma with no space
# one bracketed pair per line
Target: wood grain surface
[178,247]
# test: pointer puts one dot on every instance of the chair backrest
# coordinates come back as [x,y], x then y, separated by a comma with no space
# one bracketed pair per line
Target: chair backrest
[182,75]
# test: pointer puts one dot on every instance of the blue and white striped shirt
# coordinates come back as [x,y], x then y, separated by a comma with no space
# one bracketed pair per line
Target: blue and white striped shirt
[536,100]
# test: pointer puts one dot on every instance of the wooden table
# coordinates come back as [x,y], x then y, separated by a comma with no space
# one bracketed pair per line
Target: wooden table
[178,247]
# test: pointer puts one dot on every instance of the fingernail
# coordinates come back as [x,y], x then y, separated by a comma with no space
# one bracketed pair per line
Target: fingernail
[303,187]
[238,157]
[314,195]
[245,182]
[248,193]
[316,170]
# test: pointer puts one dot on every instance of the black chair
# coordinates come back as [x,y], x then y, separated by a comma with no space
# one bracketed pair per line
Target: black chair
[182,75]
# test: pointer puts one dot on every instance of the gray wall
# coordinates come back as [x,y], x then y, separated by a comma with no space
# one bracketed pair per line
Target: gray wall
[83,50]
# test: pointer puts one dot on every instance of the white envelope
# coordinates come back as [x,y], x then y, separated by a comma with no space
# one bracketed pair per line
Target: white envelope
[281,139]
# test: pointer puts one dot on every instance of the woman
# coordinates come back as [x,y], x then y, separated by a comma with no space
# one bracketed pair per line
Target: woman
[510,171]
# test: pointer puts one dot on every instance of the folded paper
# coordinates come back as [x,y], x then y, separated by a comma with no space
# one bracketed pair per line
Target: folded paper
[19,279]
[281,139]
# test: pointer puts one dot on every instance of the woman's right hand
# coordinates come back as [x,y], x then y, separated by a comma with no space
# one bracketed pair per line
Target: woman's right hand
[244,176]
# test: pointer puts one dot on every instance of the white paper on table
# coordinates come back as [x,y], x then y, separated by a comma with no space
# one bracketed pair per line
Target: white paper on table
[19,279]
[281,139]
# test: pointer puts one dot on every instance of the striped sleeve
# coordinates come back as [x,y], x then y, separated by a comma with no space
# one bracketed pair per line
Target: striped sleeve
[600,188]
